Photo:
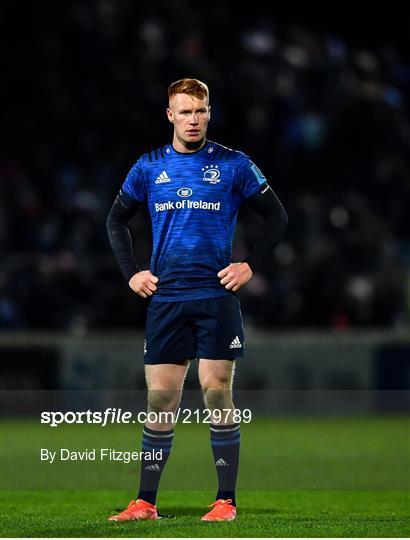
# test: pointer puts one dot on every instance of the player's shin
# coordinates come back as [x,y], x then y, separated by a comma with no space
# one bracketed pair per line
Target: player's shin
[225,442]
[156,447]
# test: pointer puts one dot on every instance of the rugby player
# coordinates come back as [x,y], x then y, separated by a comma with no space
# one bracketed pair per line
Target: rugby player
[193,188]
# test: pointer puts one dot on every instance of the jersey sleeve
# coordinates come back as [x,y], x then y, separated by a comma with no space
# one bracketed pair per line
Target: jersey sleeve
[134,186]
[249,178]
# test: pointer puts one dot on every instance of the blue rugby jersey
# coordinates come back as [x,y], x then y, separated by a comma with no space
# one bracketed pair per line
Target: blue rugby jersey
[193,200]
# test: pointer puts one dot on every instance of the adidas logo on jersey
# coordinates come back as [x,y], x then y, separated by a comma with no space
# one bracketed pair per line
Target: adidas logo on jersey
[163,178]
[221,463]
[153,467]
[236,344]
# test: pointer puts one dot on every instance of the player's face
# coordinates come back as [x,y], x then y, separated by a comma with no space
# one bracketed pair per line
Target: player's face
[190,117]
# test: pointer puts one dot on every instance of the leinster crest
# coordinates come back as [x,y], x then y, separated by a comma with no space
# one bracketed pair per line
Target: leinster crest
[211,174]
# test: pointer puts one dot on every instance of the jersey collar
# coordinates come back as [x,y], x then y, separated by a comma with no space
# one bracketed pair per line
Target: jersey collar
[208,147]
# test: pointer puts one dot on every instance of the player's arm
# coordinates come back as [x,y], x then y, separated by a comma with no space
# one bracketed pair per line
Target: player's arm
[266,204]
[275,219]
[122,210]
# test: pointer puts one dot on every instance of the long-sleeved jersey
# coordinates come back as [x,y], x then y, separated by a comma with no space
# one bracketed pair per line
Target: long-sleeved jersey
[193,200]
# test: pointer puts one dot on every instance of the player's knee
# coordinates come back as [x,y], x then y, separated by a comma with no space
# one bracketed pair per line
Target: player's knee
[218,398]
[163,400]
[222,383]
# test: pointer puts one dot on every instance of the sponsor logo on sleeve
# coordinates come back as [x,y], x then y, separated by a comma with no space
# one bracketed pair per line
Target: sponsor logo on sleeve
[258,173]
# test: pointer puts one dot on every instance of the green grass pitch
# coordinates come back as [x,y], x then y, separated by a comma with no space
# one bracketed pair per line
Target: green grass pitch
[299,477]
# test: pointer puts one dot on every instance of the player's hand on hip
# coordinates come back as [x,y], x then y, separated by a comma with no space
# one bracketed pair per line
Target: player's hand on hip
[235,275]
[143,283]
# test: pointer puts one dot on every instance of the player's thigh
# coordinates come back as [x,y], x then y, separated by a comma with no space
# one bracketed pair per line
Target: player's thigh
[166,376]
[216,374]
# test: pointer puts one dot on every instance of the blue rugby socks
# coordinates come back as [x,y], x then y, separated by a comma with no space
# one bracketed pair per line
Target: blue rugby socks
[225,440]
[151,469]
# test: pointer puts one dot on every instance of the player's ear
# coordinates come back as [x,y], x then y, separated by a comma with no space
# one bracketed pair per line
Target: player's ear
[209,112]
[170,115]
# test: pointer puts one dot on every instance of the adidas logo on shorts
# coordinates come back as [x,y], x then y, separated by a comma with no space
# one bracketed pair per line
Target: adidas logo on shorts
[236,344]
[163,178]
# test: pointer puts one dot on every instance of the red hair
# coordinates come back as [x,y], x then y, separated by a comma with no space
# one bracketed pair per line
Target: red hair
[192,87]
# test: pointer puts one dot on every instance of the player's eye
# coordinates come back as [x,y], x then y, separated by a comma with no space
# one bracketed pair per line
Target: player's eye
[188,113]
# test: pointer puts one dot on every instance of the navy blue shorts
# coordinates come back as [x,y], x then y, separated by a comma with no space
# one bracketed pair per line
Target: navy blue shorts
[177,331]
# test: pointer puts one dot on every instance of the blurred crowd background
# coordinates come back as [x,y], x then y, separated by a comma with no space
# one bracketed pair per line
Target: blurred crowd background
[325,116]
